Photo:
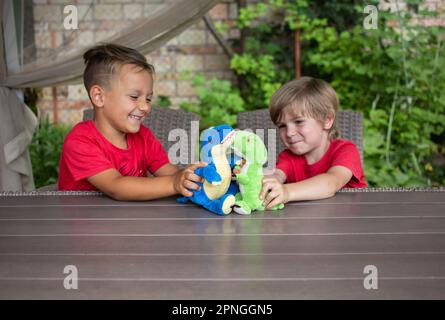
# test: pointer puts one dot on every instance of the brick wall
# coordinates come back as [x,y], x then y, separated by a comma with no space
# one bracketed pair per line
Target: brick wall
[194,50]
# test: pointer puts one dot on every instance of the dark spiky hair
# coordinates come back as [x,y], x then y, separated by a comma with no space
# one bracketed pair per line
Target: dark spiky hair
[104,60]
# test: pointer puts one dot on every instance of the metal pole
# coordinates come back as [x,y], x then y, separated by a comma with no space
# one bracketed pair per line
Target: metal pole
[297,49]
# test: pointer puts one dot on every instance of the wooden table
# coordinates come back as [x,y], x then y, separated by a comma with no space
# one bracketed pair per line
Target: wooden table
[166,250]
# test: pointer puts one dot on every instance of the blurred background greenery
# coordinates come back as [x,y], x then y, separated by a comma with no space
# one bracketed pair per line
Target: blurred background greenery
[45,150]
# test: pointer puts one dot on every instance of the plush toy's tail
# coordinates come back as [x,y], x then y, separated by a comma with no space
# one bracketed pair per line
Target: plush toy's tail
[182,200]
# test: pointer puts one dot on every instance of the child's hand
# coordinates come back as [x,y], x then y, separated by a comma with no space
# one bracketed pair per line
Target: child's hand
[185,179]
[273,192]
[240,164]
[236,170]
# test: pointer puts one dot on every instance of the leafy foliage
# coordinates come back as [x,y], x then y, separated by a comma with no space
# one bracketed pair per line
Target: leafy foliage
[163,102]
[45,150]
[218,102]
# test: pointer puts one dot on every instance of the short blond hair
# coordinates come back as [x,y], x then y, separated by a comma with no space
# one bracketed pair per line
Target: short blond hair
[306,96]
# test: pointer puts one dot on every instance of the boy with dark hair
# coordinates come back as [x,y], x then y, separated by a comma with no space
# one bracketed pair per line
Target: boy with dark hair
[113,152]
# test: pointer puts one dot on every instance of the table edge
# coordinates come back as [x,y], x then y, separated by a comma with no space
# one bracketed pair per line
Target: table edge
[97,193]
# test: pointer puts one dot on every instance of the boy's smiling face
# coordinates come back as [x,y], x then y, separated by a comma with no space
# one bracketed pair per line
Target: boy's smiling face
[127,101]
[304,135]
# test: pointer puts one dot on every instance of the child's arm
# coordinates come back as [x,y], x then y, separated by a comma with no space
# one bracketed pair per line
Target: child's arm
[125,188]
[167,169]
[208,173]
[322,186]
[277,174]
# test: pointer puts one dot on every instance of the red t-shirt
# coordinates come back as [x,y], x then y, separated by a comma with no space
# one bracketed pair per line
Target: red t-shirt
[340,153]
[86,152]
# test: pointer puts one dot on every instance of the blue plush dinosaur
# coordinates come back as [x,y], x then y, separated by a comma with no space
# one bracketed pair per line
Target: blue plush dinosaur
[218,190]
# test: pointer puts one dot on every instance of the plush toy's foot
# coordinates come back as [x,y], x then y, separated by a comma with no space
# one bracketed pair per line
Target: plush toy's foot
[221,206]
[274,208]
[277,207]
[242,208]
[228,204]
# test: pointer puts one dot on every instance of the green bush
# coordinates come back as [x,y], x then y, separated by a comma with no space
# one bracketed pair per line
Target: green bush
[218,102]
[163,102]
[45,150]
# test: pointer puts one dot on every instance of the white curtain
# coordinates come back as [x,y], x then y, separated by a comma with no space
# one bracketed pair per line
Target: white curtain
[17,125]
[17,122]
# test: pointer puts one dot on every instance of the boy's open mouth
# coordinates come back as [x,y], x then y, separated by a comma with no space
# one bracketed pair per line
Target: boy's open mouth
[136,117]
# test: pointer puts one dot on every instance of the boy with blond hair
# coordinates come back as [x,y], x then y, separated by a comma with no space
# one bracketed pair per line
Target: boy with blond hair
[315,164]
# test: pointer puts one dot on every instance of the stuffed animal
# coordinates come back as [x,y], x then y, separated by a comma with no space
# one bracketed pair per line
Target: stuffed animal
[217,193]
[253,152]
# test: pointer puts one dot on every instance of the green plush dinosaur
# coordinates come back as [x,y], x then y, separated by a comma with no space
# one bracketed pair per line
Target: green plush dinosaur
[251,148]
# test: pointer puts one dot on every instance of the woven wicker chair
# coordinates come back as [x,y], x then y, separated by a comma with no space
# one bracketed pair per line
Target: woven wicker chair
[50,187]
[349,123]
[162,122]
